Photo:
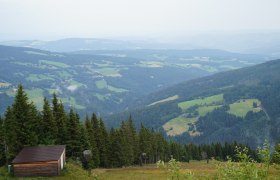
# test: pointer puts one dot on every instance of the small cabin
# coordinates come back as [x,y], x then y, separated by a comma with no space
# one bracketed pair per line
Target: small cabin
[39,161]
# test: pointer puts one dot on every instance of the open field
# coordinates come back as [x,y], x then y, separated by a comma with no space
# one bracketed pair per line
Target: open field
[36,95]
[72,102]
[38,77]
[53,63]
[200,170]
[243,106]
[202,111]
[179,125]
[102,84]
[201,101]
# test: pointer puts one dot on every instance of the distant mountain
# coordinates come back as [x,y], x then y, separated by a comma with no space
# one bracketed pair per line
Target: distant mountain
[81,44]
[106,83]
[241,105]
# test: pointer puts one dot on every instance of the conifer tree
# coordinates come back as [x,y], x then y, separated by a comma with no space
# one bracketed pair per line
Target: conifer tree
[96,135]
[60,118]
[24,119]
[2,143]
[103,147]
[94,150]
[145,144]
[73,135]
[115,148]
[49,128]
[10,132]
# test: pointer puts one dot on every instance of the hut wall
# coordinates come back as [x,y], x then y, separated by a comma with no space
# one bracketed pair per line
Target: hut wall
[49,168]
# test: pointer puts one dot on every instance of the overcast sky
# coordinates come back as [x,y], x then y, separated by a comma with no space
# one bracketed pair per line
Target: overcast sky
[54,19]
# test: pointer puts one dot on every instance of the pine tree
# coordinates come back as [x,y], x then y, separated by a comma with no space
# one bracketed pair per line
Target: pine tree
[60,119]
[115,148]
[145,144]
[103,148]
[96,135]
[34,125]
[2,143]
[133,139]
[10,133]
[24,114]
[73,135]
[49,128]
[94,150]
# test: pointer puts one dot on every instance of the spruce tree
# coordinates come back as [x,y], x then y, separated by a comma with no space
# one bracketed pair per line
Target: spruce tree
[49,128]
[94,150]
[60,119]
[115,148]
[73,135]
[103,146]
[2,143]
[11,129]
[96,135]
[24,119]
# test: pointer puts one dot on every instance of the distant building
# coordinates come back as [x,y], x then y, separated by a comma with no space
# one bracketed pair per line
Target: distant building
[39,161]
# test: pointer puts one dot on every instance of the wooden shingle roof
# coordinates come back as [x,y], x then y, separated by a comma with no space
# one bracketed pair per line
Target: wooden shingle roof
[39,154]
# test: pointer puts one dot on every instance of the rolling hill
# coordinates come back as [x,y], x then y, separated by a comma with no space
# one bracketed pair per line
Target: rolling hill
[241,105]
[106,82]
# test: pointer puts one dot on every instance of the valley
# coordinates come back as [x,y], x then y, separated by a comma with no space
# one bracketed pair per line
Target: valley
[106,81]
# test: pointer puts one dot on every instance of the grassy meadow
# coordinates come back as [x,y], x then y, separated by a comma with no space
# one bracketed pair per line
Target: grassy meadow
[198,169]
[243,106]
[201,101]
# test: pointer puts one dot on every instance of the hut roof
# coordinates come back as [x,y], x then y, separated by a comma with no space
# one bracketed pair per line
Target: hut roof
[39,154]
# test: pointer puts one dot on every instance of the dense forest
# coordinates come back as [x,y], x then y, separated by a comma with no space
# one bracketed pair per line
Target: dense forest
[260,82]
[23,125]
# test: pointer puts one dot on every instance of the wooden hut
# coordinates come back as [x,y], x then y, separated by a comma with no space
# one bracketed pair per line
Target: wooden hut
[39,161]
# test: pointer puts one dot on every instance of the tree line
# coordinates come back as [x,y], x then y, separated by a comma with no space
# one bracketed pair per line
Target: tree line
[23,125]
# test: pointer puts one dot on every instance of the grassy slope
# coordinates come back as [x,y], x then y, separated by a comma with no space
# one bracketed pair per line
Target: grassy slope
[242,107]
[208,100]
[180,124]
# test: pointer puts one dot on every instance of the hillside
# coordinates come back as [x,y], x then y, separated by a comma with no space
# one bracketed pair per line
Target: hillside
[240,105]
[106,82]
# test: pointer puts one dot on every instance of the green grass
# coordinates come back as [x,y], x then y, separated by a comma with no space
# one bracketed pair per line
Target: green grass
[110,72]
[53,63]
[64,74]
[179,125]
[203,110]
[72,101]
[200,169]
[102,84]
[51,91]
[36,53]
[243,106]
[72,171]
[76,83]
[36,96]
[102,97]
[151,64]
[38,77]
[201,101]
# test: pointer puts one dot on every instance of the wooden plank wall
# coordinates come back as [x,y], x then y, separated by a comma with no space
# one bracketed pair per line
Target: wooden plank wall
[49,168]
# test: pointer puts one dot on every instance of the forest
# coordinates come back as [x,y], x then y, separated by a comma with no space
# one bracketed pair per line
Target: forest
[23,125]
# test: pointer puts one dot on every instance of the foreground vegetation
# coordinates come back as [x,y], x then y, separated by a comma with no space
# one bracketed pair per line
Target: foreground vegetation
[191,170]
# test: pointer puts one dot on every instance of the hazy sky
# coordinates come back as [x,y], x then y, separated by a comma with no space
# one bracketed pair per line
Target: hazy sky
[53,19]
